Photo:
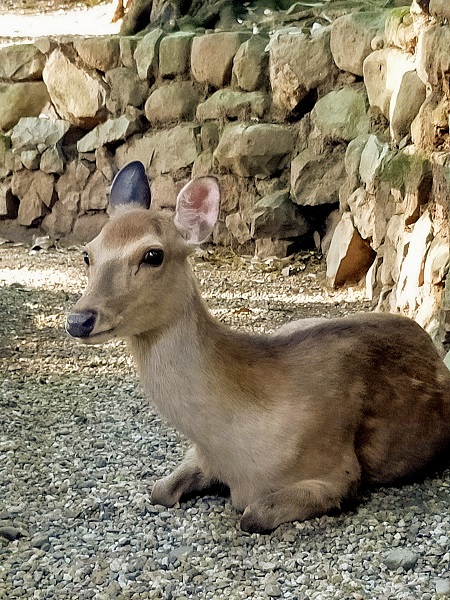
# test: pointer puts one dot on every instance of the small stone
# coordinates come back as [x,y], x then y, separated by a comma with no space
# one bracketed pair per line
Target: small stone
[401,558]
[40,539]
[10,533]
[273,591]
[443,587]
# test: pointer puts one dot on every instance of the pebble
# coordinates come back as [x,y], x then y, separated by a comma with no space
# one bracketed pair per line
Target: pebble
[443,587]
[401,558]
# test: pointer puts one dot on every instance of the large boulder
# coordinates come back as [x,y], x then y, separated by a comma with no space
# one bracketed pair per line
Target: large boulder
[400,29]
[173,102]
[206,51]
[19,100]
[342,115]
[351,38]
[79,96]
[433,57]
[254,150]
[406,100]
[298,63]
[22,62]
[316,179]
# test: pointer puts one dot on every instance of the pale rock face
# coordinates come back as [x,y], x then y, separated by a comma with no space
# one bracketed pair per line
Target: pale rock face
[440,9]
[233,104]
[35,191]
[382,71]
[102,53]
[276,216]
[112,130]
[78,96]
[174,53]
[407,98]
[146,54]
[349,257]
[433,57]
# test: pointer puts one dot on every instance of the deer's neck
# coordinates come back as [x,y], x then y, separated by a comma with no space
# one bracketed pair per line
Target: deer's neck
[178,366]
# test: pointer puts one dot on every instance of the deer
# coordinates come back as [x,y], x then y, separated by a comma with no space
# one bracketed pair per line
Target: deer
[294,423]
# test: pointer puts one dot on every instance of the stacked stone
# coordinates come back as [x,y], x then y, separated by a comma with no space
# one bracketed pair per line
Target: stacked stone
[334,135]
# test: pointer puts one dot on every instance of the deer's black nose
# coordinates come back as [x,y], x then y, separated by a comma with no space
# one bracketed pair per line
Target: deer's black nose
[81,324]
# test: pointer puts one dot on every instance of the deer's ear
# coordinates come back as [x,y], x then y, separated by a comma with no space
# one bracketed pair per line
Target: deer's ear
[130,186]
[197,209]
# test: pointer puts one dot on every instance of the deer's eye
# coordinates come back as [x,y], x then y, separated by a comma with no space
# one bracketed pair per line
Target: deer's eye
[86,258]
[154,257]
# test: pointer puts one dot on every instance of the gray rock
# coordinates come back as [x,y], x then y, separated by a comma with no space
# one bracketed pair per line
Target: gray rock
[174,53]
[126,89]
[99,52]
[95,193]
[8,202]
[442,587]
[233,104]
[316,179]
[173,102]
[35,190]
[238,227]
[273,591]
[162,151]
[33,131]
[440,9]
[31,159]
[400,30]
[342,114]
[276,216]
[40,539]
[23,62]
[52,161]
[113,130]
[255,149]
[205,66]
[403,558]
[10,533]
[146,54]
[19,100]
[127,48]
[406,100]
[250,65]
[267,247]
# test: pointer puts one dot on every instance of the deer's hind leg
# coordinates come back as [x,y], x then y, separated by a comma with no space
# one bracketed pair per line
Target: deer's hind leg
[189,476]
[303,500]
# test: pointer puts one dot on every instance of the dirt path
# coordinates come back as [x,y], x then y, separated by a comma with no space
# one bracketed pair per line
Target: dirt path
[23,20]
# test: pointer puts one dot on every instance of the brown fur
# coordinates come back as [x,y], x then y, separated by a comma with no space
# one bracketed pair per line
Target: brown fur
[292,422]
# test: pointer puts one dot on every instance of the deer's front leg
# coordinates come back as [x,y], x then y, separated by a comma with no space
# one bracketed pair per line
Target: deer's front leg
[190,476]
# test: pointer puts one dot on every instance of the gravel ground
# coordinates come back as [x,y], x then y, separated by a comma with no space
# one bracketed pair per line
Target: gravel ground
[80,448]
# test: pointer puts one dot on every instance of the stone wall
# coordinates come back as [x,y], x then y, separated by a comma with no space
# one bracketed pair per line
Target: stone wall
[329,135]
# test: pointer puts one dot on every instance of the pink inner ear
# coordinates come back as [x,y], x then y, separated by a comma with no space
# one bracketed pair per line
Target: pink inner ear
[198,208]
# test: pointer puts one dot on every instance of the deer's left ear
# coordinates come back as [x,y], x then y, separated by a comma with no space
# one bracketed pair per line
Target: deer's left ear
[197,209]
[130,186]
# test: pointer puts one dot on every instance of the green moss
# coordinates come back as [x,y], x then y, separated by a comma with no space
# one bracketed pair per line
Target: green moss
[404,171]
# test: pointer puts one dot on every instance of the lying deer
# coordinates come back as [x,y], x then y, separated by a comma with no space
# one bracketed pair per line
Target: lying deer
[293,423]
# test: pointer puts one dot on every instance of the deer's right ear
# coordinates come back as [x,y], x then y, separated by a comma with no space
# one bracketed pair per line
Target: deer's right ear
[130,186]
[197,209]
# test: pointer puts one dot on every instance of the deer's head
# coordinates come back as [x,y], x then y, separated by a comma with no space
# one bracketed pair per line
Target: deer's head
[138,277]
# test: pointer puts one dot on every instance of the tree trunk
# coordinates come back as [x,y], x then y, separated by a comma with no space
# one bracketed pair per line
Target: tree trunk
[203,13]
